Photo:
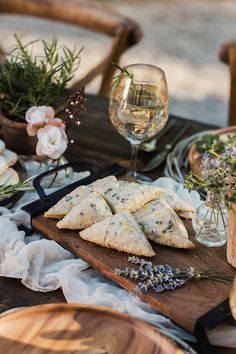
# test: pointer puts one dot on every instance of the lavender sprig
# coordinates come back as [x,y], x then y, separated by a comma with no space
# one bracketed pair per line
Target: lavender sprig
[163,277]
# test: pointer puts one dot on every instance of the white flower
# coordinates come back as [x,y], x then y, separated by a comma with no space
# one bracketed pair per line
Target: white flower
[52,141]
[36,117]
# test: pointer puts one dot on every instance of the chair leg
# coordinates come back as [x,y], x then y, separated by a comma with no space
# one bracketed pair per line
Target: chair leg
[232,102]
[118,47]
[2,56]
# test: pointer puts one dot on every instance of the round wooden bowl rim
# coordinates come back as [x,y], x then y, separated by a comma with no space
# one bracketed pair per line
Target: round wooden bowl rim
[193,150]
[66,307]
[11,123]
[151,332]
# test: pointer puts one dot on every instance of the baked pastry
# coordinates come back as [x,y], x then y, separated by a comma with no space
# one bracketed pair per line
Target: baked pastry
[2,146]
[102,185]
[90,210]
[180,206]
[64,206]
[10,157]
[3,165]
[9,177]
[120,232]
[131,196]
[162,225]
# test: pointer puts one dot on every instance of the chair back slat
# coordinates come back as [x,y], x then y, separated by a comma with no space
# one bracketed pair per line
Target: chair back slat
[124,31]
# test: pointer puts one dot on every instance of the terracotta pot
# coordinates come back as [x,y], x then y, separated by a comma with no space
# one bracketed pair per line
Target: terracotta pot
[15,136]
[231,243]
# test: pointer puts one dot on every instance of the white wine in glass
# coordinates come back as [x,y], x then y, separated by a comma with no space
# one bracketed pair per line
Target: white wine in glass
[139,105]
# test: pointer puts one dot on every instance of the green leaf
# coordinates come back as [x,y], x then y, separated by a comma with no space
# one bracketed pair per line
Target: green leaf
[123,73]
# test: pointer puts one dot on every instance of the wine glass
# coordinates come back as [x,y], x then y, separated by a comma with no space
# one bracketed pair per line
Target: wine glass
[139,106]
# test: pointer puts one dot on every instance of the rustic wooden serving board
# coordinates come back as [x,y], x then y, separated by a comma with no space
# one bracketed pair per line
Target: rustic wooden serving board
[67,328]
[184,305]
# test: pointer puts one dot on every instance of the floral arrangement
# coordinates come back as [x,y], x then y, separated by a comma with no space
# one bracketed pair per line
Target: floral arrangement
[52,131]
[218,174]
[163,277]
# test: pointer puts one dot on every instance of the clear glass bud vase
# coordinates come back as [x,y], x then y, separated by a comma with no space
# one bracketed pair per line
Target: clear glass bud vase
[58,177]
[210,221]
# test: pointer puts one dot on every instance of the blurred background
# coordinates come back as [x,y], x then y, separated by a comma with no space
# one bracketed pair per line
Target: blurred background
[181,36]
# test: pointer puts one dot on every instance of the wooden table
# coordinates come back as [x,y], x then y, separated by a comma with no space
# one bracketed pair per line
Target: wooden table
[97,142]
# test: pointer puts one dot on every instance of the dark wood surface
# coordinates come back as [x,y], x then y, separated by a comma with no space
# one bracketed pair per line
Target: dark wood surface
[184,305]
[97,142]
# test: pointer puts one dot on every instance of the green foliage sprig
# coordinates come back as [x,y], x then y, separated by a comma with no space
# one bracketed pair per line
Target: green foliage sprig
[7,190]
[122,73]
[208,140]
[26,80]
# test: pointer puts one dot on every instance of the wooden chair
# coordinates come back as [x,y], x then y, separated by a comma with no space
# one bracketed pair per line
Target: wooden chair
[227,55]
[124,32]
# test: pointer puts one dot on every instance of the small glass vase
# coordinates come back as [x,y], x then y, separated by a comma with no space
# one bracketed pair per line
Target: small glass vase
[210,221]
[54,178]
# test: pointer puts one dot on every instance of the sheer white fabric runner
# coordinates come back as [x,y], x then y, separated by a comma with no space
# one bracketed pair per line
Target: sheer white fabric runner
[43,265]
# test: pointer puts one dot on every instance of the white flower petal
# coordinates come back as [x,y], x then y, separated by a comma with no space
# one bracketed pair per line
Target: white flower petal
[48,110]
[52,141]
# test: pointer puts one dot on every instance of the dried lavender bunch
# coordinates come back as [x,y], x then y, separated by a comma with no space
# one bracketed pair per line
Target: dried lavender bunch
[162,277]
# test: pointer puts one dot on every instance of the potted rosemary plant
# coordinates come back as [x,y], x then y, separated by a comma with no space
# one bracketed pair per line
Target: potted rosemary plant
[26,81]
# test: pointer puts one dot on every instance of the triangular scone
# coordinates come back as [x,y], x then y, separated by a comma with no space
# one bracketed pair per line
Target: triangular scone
[180,206]
[131,196]
[65,205]
[9,177]
[102,185]
[120,232]
[162,225]
[92,209]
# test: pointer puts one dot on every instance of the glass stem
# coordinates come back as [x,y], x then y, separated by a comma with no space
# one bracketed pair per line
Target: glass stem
[134,155]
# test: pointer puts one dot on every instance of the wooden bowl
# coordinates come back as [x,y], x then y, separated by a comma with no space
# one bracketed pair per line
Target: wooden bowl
[67,328]
[195,157]
[16,137]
